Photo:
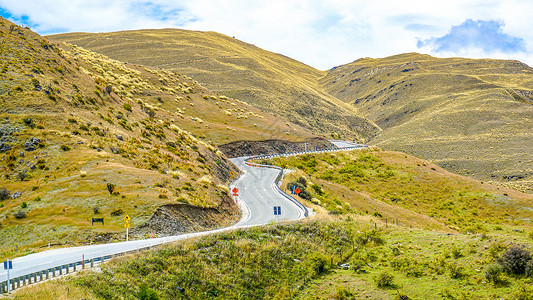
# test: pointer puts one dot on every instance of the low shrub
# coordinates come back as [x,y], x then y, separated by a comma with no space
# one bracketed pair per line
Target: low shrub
[112,189]
[384,280]
[493,273]
[24,204]
[117,213]
[515,260]
[4,194]
[146,293]
[127,106]
[19,214]
[456,271]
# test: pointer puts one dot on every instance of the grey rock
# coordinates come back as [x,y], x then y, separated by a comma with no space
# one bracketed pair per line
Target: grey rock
[4,147]
[119,137]
[21,154]
[16,195]
[32,144]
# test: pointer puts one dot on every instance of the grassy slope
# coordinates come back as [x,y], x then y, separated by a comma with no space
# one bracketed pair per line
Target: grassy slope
[266,80]
[301,261]
[77,103]
[393,185]
[468,116]
[425,256]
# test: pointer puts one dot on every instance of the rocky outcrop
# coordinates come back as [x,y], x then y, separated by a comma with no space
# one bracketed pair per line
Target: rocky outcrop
[248,148]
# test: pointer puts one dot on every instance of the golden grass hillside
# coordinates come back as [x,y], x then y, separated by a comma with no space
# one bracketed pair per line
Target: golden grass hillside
[83,136]
[266,80]
[471,116]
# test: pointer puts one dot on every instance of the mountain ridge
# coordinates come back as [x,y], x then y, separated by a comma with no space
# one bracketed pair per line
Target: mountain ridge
[414,106]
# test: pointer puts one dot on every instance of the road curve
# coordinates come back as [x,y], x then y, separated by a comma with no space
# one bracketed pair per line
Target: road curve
[257,197]
[258,194]
[258,189]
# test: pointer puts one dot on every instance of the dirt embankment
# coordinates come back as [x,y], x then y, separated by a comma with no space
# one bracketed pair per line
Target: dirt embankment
[180,218]
[172,219]
[248,148]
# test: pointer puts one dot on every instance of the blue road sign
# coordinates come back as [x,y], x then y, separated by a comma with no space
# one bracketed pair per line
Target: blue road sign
[277,210]
[8,264]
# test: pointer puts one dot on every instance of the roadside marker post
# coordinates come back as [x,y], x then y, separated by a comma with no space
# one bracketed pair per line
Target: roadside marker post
[277,212]
[8,265]
[297,191]
[235,192]
[127,226]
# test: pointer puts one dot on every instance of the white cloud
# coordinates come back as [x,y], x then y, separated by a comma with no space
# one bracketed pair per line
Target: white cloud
[320,33]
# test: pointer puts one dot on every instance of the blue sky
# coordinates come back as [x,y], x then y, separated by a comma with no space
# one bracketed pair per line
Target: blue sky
[322,33]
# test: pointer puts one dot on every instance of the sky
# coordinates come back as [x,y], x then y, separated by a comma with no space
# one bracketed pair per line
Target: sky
[320,33]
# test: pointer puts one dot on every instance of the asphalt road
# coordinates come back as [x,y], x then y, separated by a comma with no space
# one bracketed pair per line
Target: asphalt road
[258,189]
[257,197]
[344,144]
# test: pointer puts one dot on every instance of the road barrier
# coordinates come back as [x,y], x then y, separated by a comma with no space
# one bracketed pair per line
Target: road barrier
[49,273]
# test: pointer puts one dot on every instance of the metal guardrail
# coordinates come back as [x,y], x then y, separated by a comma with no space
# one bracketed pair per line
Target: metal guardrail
[49,273]
[280,174]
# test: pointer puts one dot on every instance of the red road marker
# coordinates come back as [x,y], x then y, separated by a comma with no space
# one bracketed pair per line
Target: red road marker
[297,191]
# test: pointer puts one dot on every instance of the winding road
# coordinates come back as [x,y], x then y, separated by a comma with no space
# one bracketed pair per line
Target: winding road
[258,194]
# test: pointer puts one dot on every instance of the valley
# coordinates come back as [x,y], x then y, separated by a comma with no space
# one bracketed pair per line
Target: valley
[157,125]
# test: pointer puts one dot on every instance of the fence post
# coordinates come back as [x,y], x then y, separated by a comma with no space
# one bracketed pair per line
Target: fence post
[92,262]
[74,267]
[60,270]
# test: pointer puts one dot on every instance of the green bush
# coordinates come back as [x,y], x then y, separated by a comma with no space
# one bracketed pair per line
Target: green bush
[515,260]
[317,263]
[384,280]
[4,194]
[456,271]
[456,253]
[29,122]
[493,273]
[146,293]
[24,204]
[64,148]
[127,106]
[20,214]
